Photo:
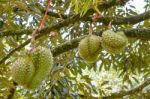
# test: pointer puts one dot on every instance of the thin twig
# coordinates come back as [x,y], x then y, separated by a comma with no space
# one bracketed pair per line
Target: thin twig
[44,17]
[40,26]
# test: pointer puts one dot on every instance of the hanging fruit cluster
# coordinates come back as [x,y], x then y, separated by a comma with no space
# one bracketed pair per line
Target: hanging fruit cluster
[90,47]
[113,42]
[33,69]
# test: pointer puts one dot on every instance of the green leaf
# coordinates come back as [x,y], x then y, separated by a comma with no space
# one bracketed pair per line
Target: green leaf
[76,6]
[104,83]
[86,7]
[135,79]
[109,88]
[5,83]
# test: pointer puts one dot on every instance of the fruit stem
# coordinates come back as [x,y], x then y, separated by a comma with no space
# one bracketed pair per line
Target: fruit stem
[110,25]
[90,29]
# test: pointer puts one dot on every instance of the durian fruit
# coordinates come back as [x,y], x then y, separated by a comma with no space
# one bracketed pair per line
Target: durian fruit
[22,71]
[42,60]
[113,42]
[89,48]
[30,70]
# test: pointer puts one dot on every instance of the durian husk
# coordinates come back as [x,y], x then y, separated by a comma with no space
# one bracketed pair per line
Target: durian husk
[42,59]
[112,42]
[89,48]
[22,71]
[30,70]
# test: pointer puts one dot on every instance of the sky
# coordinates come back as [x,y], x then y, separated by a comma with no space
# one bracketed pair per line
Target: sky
[139,4]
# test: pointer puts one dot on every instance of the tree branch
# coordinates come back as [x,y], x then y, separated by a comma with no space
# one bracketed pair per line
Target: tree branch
[126,20]
[101,7]
[13,51]
[44,31]
[141,33]
[122,20]
[137,33]
[120,94]
[105,20]
[12,91]
[68,45]
[129,92]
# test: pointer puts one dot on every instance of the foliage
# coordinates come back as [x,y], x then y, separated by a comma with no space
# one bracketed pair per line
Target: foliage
[71,76]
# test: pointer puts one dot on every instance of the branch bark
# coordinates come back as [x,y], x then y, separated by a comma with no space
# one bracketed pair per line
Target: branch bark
[122,20]
[105,20]
[123,93]
[44,31]
[68,45]
[12,91]
[101,7]
[138,33]
[129,92]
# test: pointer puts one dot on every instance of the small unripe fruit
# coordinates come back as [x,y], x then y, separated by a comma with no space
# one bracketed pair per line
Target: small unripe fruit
[89,48]
[113,42]
[42,59]
[22,71]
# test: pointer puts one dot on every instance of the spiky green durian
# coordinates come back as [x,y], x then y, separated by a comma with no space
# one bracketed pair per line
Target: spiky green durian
[89,48]
[113,42]
[22,71]
[42,59]
[31,70]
